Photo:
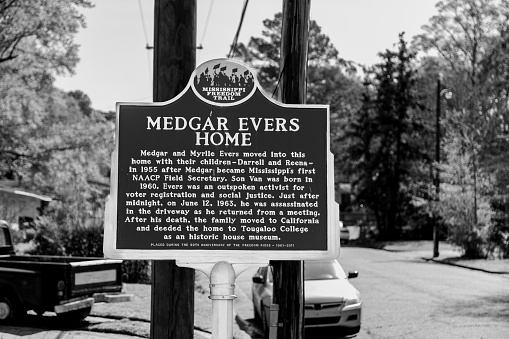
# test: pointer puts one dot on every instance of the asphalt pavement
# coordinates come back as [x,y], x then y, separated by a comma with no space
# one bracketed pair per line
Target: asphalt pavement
[448,254]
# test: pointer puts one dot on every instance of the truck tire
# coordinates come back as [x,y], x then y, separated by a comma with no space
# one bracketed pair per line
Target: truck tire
[75,315]
[9,309]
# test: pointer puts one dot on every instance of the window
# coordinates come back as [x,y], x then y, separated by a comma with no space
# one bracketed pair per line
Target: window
[323,270]
[5,239]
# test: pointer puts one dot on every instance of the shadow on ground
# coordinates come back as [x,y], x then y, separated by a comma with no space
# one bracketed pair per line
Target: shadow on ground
[486,307]
[254,329]
[32,324]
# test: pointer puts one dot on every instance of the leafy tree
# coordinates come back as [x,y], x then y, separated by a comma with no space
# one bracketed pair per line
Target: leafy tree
[359,138]
[36,118]
[43,30]
[463,34]
[51,141]
[385,129]
[84,102]
[465,230]
[330,79]
[467,40]
[325,68]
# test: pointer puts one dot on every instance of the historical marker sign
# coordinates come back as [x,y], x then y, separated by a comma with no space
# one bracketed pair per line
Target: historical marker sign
[222,172]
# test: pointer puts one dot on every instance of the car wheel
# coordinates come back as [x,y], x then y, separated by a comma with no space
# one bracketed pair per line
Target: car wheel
[9,309]
[257,317]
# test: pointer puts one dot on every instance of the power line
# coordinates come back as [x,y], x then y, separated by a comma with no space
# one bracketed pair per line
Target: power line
[147,46]
[113,107]
[200,46]
[281,73]
[236,38]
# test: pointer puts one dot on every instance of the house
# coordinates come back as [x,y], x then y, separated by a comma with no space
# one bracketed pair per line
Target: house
[343,196]
[19,206]
[350,213]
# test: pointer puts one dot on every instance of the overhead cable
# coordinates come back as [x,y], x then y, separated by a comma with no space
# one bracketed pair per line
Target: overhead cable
[234,43]
[147,46]
[200,46]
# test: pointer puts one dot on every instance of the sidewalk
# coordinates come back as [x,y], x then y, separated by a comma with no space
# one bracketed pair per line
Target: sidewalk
[448,254]
[12,332]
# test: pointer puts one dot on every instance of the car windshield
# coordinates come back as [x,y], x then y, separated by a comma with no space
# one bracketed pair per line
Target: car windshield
[323,270]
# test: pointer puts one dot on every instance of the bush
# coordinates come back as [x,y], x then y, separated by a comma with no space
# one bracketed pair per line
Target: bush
[474,245]
[84,242]
[46,240]
[53,239]
[469,239]
[498,233]
[467,227]
[136,271]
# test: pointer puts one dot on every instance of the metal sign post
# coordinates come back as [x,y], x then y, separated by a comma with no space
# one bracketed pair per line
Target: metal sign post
[222,277]
[222,288]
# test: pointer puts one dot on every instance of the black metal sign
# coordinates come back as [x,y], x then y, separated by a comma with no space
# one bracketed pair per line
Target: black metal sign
[223,169]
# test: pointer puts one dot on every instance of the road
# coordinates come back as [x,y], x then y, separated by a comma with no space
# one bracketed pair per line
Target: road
[403,297]
[407,297]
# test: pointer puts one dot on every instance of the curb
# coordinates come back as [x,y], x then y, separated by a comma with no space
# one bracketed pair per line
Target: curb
[464,266]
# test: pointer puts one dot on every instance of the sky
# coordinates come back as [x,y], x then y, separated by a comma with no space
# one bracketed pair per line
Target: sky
[116,67]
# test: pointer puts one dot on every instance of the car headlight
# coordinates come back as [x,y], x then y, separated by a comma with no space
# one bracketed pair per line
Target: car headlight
[353,301]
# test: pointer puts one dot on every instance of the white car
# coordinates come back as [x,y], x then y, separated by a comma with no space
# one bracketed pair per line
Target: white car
[330,299]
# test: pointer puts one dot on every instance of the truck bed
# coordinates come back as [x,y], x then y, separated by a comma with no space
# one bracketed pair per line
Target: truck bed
[42,259]
[82,276]
[53,283]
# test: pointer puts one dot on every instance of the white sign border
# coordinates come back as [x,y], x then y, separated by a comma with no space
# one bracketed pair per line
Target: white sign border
[214,255]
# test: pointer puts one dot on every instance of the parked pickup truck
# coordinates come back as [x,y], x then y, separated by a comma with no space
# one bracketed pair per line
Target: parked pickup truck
[68,286]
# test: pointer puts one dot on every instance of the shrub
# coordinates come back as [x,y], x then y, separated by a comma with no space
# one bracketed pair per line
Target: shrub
[136,271]
[498,232]
[61,240]
[84,242]
[458,213]
[53,239]
[46,240]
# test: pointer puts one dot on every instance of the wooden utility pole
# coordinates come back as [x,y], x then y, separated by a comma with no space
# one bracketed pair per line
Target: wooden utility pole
[294,51]
[289,275]
[172,309]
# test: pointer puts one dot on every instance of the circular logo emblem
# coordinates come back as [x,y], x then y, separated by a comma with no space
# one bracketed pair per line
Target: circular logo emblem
[223,81]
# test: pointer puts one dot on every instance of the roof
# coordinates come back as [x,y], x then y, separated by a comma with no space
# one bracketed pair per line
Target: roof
[22,192]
